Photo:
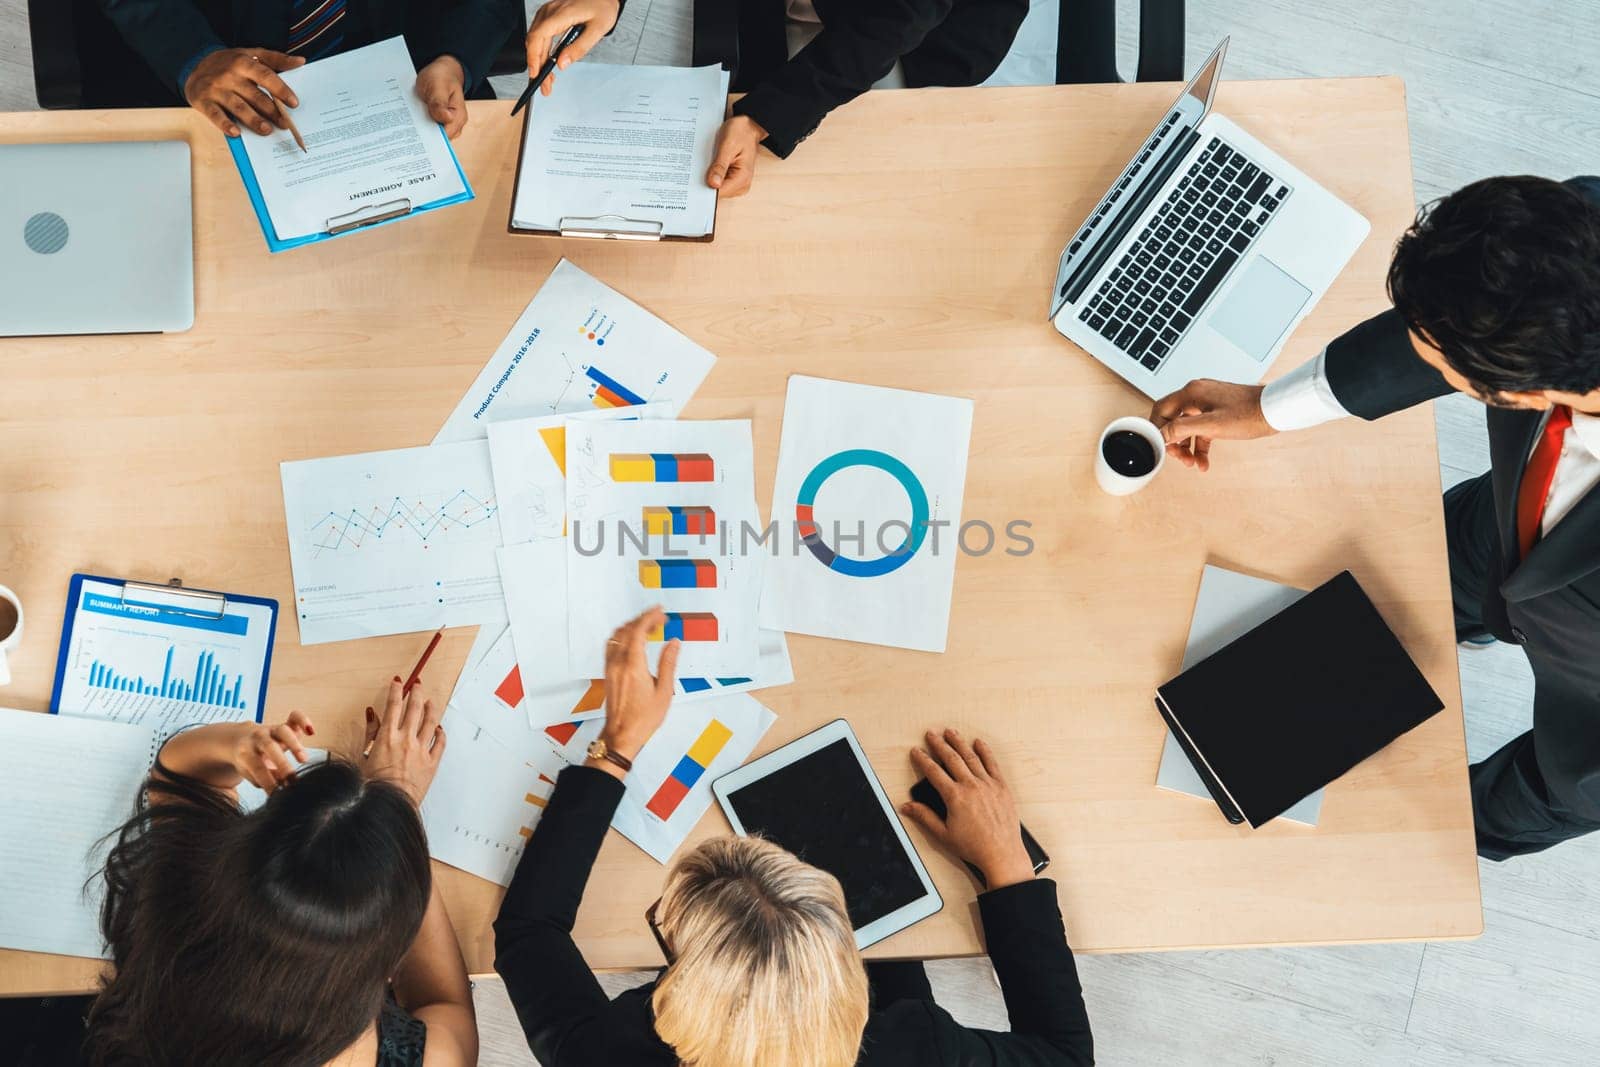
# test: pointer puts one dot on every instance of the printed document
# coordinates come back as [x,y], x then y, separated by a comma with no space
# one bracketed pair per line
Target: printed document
[622,148]
[369,143]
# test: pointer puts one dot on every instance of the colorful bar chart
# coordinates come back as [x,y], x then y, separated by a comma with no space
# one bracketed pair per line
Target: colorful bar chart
[208,685]
[686,626]
[676,520]
[662,467]
[610,393]
[689,770]
[678,573]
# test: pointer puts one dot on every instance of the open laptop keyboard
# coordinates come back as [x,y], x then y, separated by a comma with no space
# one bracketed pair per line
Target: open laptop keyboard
[1211,218]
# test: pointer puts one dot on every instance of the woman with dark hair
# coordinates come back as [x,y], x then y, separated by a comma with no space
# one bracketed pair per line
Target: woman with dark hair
[305,932]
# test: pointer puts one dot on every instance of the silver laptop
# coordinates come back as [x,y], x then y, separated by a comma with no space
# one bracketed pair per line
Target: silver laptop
[95,238]
[1204,254]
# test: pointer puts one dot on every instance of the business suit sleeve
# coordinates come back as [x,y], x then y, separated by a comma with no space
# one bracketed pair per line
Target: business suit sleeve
[473,31]
[553,990]
[1374,371]
[859,44]
[1039,980]
[166,34]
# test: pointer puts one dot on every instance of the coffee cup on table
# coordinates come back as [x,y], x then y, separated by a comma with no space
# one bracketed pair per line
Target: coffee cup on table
[1130,454]
[10,629]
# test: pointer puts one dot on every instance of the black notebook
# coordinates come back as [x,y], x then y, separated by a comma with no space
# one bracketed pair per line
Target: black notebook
[1296,702]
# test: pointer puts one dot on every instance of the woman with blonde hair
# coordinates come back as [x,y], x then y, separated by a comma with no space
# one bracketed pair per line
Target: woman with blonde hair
[762,968]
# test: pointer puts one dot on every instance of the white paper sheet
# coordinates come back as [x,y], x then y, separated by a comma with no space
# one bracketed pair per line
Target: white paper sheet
[862,470]
[369,142]
[64,784]
[529,457]
[1228,606]
[486,798]
[669,788]
[393,542]
[613,558]
[623,148]
[162,668]
[578,345]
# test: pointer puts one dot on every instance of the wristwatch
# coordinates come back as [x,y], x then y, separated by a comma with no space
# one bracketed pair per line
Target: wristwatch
[599,750]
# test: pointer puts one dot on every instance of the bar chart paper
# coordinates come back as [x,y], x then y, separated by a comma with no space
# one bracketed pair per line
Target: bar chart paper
[631,487]
[161,667]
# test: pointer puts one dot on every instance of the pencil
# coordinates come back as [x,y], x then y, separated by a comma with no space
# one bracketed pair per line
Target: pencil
[301,141]
[416,672]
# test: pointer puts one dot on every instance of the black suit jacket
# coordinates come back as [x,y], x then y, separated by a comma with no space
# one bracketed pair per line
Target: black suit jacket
[569,1021]
[937,42]
[1548,602]
[167,34]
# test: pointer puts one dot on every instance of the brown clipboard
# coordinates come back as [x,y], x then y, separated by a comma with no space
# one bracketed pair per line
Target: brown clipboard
[599,227]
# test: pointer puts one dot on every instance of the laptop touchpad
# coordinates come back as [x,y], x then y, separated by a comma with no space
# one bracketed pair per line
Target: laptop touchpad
[1259,308]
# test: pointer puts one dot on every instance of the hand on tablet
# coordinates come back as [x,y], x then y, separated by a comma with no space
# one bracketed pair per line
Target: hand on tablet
[981,824]
[636,702]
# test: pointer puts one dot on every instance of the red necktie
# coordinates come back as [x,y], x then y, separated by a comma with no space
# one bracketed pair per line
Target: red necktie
[1541,472]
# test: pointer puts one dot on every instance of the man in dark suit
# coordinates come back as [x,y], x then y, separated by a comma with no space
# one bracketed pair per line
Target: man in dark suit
[218,55]
[841,49]
[1497,295]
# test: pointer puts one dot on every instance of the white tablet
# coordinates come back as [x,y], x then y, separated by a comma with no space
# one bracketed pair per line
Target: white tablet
[818,798]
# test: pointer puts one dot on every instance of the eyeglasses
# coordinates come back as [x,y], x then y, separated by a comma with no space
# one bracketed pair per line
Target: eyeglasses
[655,930]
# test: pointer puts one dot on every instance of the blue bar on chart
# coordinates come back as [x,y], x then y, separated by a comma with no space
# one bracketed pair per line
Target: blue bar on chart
[209,685]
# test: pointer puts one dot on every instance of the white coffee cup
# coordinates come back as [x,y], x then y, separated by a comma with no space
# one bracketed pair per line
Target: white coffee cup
[9,603]
[1122,482]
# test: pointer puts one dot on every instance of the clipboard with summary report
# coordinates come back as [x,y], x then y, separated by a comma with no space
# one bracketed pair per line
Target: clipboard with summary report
[372,155]
[621,153]
[162,656]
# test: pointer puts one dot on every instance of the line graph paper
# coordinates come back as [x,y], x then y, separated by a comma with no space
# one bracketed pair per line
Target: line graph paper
[409,520]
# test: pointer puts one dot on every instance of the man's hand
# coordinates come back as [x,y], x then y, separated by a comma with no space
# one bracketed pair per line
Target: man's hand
[441,86]
[980,823]
[1204,411]
[226,87]
[554,19]
[733,163]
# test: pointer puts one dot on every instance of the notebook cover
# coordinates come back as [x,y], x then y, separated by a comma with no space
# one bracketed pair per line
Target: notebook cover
[1297,701]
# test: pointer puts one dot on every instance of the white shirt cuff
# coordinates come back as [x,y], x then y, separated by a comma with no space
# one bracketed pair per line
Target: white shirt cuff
[1302,398]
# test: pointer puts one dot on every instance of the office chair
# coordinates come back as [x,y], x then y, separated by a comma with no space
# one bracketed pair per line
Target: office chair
[1086,41]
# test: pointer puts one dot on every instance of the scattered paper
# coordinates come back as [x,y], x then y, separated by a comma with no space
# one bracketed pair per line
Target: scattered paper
[578,345]
[867,509]
[393,542]
[663,513]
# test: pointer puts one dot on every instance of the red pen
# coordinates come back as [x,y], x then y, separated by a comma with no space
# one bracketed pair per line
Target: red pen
[416,672]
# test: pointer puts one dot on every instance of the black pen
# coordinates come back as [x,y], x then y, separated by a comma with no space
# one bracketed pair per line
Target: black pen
[549,65]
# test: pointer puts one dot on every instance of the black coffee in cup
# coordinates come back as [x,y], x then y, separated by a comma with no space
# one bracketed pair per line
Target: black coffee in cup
[8,618]
[1129,454]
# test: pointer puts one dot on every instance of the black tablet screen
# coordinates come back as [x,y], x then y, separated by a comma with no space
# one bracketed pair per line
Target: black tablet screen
[823,809]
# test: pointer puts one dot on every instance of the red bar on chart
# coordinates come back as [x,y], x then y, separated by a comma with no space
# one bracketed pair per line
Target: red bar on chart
[509,690]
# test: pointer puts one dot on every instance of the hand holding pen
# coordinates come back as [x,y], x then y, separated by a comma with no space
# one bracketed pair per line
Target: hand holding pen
[552,43]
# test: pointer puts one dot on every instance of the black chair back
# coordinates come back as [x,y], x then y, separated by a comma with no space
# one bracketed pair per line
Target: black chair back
[1086,41]
[80,60]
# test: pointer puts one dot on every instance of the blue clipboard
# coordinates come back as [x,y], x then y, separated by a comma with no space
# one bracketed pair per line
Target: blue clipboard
[164,603]
[276,244]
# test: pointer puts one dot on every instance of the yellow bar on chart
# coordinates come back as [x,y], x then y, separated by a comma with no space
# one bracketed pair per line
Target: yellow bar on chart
[709,743]
[657,521]
[650,573]
[537,802]
[632,467]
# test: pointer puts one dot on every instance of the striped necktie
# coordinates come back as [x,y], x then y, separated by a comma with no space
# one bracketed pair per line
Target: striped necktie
[314,27]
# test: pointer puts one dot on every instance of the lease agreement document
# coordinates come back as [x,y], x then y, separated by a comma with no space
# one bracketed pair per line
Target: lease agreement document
[369,144]
[623,149]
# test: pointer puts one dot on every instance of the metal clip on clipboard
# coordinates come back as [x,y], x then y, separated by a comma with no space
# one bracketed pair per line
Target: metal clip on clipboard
[201,603]
[602,226]
[367,215]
